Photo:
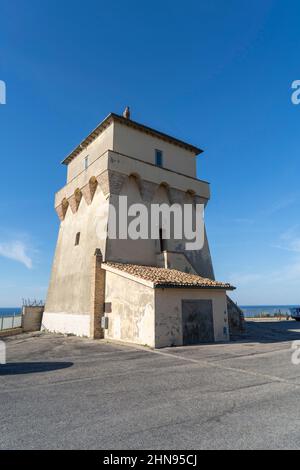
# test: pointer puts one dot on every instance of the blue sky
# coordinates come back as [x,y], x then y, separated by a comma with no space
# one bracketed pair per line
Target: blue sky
[215,73]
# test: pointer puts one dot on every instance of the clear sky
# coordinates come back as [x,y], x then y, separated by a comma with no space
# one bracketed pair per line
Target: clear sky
[213,72]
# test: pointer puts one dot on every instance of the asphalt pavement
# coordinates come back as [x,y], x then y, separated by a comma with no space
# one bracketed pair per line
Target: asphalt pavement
[62,392]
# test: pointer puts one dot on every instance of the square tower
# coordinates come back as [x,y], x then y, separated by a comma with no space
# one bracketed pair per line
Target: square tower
[124,158]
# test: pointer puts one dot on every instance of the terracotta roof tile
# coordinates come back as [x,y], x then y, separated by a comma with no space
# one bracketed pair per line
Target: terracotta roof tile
[162,277]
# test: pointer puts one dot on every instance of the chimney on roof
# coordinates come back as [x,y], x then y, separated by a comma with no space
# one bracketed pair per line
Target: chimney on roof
[126,113]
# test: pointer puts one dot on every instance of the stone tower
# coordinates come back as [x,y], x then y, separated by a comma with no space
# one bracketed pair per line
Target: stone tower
[119,157]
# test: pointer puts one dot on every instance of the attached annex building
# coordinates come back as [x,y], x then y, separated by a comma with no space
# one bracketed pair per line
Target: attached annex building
[141,291]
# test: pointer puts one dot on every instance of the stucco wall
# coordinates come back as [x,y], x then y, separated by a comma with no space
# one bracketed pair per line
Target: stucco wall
[70,285]
[127,250]
[134,143]
[132,310]
[128,164]
[168,314]
[146,252]
[142,146]
[96,168]
[96,148]
[69,296]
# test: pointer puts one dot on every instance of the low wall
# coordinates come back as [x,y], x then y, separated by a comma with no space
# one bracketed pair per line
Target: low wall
[11,332]
[235,318]
[32,318]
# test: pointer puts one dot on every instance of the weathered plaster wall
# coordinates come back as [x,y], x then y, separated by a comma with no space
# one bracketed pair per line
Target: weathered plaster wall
[132,310]
[70,285]
[168,314]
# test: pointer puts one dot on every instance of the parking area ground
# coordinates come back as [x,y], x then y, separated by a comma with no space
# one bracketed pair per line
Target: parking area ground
[61,392]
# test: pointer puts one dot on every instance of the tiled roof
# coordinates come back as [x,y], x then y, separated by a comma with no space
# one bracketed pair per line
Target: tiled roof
[162,277]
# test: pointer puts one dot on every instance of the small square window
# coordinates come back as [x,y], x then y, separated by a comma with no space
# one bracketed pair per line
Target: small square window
[86,162]
[158,158]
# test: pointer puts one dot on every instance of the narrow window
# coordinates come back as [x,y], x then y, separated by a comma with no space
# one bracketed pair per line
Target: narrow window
[162,241]
[86,162]
[158,158]
[77,239]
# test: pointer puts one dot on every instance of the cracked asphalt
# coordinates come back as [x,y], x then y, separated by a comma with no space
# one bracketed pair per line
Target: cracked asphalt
[61,392]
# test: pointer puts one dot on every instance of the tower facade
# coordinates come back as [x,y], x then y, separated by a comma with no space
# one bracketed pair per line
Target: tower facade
[92,274]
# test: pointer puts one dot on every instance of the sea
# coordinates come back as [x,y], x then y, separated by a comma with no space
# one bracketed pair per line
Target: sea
[257,310]
[249,310]
[6,312]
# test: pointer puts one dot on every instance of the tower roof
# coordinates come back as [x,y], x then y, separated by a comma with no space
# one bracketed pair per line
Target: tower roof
[128,122]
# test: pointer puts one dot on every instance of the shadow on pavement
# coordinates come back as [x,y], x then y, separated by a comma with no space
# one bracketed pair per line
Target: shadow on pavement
[16,368]
[269,332]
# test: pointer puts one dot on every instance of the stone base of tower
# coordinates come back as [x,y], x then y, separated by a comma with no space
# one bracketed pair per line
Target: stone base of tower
[86,324]
[67,323]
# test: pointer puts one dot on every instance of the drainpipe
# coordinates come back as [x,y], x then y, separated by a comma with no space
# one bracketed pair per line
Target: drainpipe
[97,296]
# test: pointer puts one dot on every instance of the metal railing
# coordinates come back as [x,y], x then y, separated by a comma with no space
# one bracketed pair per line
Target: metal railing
[10,321]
